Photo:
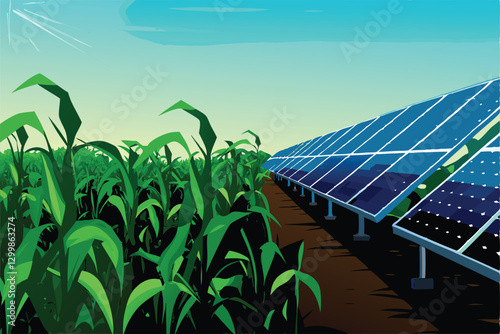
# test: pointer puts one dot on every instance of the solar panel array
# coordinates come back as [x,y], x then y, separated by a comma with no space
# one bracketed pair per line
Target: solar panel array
[372,166]
[460,218]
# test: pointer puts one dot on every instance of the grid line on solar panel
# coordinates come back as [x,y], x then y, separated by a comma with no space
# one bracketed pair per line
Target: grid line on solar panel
[461,215]
[387,142]
[374,120]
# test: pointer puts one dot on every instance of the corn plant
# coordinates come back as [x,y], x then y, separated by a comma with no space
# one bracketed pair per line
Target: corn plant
[116,236]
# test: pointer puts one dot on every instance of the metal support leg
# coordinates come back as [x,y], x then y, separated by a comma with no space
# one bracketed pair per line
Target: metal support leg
[330,215]
[313,200]
[302,192]
[289,183]
[422,283]
[361,236]
[294,187]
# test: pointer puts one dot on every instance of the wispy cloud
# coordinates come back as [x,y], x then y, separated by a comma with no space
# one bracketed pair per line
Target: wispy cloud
[216,9]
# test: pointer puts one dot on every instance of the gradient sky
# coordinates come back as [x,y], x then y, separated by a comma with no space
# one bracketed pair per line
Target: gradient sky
[288,70]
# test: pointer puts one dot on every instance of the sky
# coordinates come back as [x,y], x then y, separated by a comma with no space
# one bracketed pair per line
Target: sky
[287,70]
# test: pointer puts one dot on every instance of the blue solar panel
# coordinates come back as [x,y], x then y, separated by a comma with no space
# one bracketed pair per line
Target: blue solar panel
[459,219]
[337,136]
[372,166]
[328,180]
[346,190]
[393,181]
[348,137]
[317,144]
[374,128]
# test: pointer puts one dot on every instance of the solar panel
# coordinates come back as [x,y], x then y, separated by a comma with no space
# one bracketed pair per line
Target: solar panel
[372,166]
[460,218]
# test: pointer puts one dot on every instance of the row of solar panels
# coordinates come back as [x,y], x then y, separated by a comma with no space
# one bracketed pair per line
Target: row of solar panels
[372,166]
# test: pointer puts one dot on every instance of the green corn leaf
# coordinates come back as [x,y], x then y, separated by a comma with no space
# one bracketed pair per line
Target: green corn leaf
[84,316]
[14,123]
[282,279]
[216,229]
[156,144]
[90,230]
[117,201]
[301,254]
[132,143]
[106,188]
[107,148]
[206,131]
[34,177]
[311,284]
[92,257]
[15,176]
[21,303]
[235,145]
[224,193]
[154,220]
[139,296]
[24,257]
[269,250]
[174,210]
[112,151]
[141,235]
[76,255]
[257,138]
[37,79]
[22,135]
[67,112]
[96,290]
[219,283]
[196,192]
[184,310]
[177,266]
[268,319]
[232,255]
[51,187]
[146,204]
[150,257]
[223,314]
[284,311]
[174,250]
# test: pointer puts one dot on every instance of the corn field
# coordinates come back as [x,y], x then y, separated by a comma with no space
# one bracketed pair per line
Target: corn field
[129,238]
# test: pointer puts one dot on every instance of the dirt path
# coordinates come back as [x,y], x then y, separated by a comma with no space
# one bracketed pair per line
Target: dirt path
[354,299]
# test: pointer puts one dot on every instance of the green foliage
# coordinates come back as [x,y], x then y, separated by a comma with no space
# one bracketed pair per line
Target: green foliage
[106,234]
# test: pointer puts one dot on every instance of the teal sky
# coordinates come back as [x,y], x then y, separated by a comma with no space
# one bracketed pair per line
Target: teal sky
[288,70]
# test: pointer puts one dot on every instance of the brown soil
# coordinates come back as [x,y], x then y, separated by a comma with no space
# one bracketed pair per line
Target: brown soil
[359,280]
